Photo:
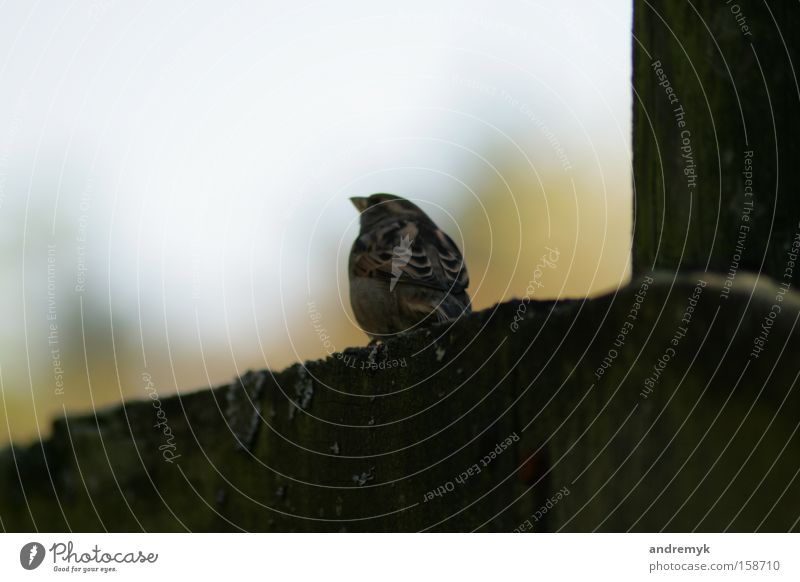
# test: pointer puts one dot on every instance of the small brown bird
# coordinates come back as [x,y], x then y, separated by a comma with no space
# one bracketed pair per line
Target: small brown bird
[404,270]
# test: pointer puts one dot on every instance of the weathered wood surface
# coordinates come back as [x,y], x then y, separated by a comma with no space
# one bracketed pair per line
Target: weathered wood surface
[712,444]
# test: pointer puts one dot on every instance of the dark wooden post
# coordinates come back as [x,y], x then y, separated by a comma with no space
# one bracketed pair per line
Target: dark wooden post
[715,138]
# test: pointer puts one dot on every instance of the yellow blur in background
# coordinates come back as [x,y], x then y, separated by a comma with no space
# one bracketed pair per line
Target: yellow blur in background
[174,193]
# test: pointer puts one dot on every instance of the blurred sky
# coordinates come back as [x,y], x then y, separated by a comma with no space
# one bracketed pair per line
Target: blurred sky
[174,176]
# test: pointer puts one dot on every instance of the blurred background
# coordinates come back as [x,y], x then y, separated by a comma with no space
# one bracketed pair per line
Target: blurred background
[174,177]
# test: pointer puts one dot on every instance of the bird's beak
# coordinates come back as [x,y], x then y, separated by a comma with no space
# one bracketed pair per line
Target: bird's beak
[360,203]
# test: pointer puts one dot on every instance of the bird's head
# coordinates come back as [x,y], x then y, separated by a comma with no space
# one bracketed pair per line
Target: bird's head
[379,207]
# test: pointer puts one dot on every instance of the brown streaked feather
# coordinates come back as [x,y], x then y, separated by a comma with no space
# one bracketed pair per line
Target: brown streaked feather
[404,271]
[435,260]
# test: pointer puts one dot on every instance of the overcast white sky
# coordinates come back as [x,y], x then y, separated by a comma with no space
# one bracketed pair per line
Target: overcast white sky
[206,150]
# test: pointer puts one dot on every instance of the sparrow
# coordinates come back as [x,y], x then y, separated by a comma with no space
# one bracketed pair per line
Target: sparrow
[404,270]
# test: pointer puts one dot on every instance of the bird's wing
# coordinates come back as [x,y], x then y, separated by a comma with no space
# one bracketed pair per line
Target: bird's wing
[408,252]
[451,262]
